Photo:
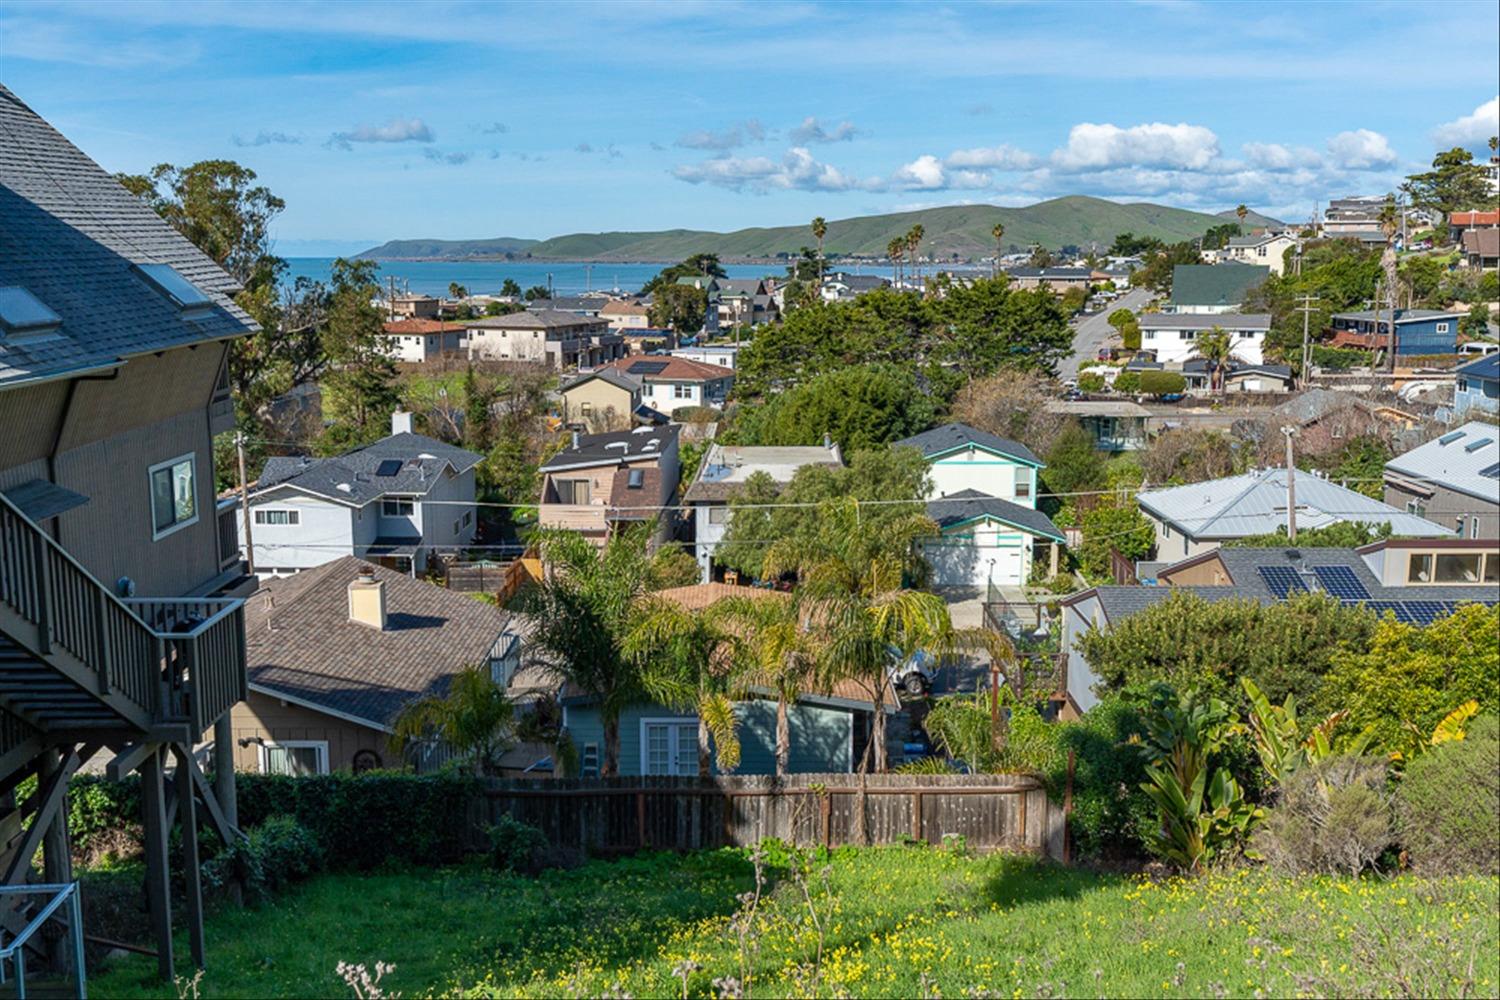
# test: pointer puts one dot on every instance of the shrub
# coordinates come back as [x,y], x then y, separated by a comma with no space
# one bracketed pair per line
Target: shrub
[516,846]
[1111,815]
[1155,383]
[1090,382]
[274,855]
[1128,382]
[1447,804]
[1332,817]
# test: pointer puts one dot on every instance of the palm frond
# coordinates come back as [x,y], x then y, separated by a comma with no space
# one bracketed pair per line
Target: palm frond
[717,715]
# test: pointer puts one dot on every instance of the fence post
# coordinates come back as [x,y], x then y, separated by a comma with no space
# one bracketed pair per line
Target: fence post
[827,797]
[640,818]
[916,815]
[1068,808]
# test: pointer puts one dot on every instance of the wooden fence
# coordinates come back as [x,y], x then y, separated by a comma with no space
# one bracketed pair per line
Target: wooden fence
[680,813]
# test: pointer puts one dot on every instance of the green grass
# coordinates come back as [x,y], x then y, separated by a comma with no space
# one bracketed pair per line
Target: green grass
[899,922]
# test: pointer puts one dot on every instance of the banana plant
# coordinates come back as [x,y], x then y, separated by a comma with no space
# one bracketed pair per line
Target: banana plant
[1453,727]
[1277,734]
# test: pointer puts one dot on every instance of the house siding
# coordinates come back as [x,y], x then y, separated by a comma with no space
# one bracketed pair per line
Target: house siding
[1445,506]
[274,720]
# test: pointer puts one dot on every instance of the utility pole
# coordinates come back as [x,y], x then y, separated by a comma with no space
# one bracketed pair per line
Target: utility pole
[1291,485]
[390,300]
[239,448]
[1306,309]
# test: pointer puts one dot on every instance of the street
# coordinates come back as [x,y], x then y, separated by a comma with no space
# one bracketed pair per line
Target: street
[1091,332]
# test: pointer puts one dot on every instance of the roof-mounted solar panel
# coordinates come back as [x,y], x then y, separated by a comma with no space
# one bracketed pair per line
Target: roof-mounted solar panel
[21,312]
[388,467]
[1341,582]
[1282,580]
[179,291]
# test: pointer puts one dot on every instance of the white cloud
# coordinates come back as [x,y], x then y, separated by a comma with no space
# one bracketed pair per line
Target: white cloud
[267,139]
[731,138]
[395,130]
[1156,144]
[798,170]
[1001,157]
[1361,149]
[927,173]
[454,158]
[495,128]
[812,131]
[1275,156]
[1473,129]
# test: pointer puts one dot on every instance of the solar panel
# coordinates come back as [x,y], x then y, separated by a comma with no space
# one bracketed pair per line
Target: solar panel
[648,367]
[1282,580]
[1426,612]
[1395,607]
[388,467]
[1341,582]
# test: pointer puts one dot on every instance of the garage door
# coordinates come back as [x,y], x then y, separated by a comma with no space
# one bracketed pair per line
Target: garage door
[977,559]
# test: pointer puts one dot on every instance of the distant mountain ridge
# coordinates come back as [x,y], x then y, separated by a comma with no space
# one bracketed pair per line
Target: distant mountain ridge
[956,230]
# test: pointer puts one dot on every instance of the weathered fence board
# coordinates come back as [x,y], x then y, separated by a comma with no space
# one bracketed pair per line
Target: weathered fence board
[687,813]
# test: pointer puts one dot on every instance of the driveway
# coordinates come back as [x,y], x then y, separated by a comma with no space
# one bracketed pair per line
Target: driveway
[1091,332]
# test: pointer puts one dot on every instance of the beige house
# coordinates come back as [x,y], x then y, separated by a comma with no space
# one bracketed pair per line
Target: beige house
[623,314]
[605,400]
[603,482]
[1265,250]
[335,653]
[544,336]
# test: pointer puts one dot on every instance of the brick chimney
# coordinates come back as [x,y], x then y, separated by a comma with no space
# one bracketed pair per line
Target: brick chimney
[367,601]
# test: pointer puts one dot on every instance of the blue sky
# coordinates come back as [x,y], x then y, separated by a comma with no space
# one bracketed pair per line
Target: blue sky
[378,121]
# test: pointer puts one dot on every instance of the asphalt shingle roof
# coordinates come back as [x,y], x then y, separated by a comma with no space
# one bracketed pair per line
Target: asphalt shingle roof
[968,505]
[1486,367]
[1205,321]
[948,437]
[542,319]
[299,639]
[605,449]
[1215,284]
[69,235]
[352,478]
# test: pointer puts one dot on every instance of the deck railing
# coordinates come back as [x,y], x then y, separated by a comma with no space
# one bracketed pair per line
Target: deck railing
[225,514]
[173,659]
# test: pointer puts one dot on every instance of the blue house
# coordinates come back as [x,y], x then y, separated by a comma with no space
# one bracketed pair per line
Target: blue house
[1418,331]
[1478,386]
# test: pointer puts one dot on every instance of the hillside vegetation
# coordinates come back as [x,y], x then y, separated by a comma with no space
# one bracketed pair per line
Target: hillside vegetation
[961,230]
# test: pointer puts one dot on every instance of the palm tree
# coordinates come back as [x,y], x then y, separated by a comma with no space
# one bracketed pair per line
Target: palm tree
[457,291]
[1241,212]
[894,250]
[913,246]
[777,652]
[998,232]
[687,662]
[820,230]
[473,719]
[1213,347]
[582,612]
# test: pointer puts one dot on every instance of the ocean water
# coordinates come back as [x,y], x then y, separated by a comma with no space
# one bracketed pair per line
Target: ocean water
[432,277]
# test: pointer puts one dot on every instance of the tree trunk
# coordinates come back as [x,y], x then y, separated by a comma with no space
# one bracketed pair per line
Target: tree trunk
[705,754]
[783,737]
[610,766]
[877,729]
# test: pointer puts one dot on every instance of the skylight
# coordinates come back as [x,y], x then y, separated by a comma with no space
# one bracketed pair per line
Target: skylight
[22,312]
[181,292]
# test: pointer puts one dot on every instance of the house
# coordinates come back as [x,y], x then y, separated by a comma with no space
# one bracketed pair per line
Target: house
[407,306]
[625,314]
[1058,279]
[745,302]
[1418,331]
[604,482]
[114,335]
[1453,479]
[723,473]
[1461,224]
[591,306]
[1209,289]
[1115,424]
[722,355]
[335,654]
[1263,249]
[417,340]
[1196,518]
[983,498]
[840,286]
[606,399]
[1481,249]
[830,726]
[670,383]
[1259,378]
[710,286]
[397,502]
[557,339]
[1383,576]
[1478,386]
[1353,216]
[1173,337]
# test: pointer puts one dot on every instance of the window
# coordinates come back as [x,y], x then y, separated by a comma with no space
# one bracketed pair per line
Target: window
[1473,527]
[174,498]
[572,490]
[1187,335]
[274,517]
[1463,384]
[468,518]
[1492,568]
[1458,568]
[680,391]
[585,408]
[396,508]
[1419,570]
[294,757]
[669,746]
[458,525]
[1023,483]
[1416,507]
[1442,328]
[1149,335]
[718,515]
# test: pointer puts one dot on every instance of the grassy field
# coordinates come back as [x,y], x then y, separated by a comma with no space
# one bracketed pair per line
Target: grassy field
[896,922]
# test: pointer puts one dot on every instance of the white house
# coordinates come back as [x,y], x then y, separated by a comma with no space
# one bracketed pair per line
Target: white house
[1264,249]
[722,355]
[723,474]
[671,383]
[1173,337]
[983,497]
[392,502]
[417,340]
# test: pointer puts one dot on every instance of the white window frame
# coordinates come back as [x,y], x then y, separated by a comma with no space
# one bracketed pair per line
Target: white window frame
[673,723]
[263,517]
[718,514]
[320,745]
[385,505]
[192,459]
[1442,328]
[682,390]
[1023,482]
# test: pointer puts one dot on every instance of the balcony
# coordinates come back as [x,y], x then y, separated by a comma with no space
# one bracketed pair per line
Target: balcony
[229,535]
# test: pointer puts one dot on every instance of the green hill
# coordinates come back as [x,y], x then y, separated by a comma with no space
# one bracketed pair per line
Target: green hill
[447,249]
[1253,219]
[954,231]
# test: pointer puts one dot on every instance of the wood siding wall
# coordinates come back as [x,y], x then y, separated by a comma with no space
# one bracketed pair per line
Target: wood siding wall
[274,720]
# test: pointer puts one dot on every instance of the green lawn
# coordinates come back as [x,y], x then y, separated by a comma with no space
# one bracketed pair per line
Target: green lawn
[899,921]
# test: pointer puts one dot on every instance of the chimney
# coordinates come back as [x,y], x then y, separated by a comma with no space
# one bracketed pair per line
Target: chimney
[575,440]
[400,422]
[827,441]
[367,601]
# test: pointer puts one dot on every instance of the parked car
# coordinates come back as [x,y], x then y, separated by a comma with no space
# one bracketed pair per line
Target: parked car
[912,675]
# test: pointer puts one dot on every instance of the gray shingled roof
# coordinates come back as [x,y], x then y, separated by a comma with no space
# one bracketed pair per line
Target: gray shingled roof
[69,234]
[1215,284]
[543,319]
[967,505]
[613,376]
[352,478]
[941,440]
[299,640]
[1205,321]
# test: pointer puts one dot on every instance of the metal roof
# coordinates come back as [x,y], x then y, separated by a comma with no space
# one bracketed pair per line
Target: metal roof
[1456,460]
[1487,367]
[1255,504]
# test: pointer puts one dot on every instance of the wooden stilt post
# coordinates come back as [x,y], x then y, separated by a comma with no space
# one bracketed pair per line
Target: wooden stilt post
[187,809]
[158,877]
[57,859]
[224,769]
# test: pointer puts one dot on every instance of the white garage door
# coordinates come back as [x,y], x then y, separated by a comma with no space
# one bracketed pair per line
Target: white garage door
[976,559]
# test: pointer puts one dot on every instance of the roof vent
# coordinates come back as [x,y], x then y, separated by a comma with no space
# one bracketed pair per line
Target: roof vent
[624,446]
[1450,437]
[344,488]
[652,445]
[182,293]
[642,430]
[22,313]
[1473,446]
